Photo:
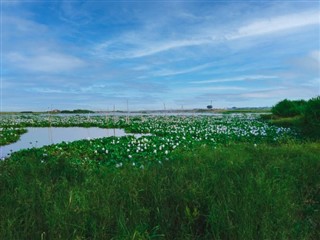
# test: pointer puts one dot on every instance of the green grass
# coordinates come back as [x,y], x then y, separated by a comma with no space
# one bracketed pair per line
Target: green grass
[263,110]
[309,130]
[237,192]
[10,135]
[295,121]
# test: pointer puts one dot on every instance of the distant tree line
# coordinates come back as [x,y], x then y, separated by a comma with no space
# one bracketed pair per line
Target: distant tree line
[307,111]
[76,111]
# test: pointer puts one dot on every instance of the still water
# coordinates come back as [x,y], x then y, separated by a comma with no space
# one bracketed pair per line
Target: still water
[38,137]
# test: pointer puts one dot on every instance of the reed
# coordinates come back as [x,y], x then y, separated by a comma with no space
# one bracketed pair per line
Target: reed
[237,192]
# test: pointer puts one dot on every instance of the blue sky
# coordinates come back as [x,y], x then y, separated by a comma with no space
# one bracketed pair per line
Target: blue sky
[97,54]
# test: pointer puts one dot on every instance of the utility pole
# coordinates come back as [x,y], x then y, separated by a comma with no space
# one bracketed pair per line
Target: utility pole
[127,118]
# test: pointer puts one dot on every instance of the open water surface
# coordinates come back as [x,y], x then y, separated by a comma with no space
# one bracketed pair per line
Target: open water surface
[39,137]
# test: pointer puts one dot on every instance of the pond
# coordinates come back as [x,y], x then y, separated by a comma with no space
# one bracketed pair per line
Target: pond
[39,137]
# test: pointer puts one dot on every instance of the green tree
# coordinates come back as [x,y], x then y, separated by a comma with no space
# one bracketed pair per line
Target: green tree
[312,117]
[284,108]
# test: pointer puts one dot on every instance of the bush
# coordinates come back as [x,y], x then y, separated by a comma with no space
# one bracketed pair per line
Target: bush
[312,117]
[302,115]
[287,108]
[312,110]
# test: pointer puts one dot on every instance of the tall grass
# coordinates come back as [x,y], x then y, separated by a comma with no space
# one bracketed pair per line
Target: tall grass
[235,192]
[302,115]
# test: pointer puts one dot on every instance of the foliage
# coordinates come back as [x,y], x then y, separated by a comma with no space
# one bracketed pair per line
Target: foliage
[10,135]
[301,115]
[312,118]
[187,129]
[287,108]
[236,192]
[194,177]
[81,111]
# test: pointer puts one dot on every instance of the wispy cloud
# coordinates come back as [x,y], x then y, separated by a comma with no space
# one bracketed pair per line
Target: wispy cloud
[119,49]
[278,93]
[130,45]
[45,62]
[103,52]
[199,90]
[178,72]
[276,24]
[269,96]
[46,90]
[165,46]
[236,79]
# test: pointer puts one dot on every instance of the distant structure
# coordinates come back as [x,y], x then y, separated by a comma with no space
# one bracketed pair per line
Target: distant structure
[54,111]
[210,106]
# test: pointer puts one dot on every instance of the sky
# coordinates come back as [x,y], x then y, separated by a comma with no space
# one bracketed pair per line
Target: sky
[157,54]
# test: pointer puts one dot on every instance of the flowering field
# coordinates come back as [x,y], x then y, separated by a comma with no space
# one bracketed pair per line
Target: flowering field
[166,134]
[192,177]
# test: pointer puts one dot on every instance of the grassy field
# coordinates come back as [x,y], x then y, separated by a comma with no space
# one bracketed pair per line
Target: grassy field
[192,177]
[242,191]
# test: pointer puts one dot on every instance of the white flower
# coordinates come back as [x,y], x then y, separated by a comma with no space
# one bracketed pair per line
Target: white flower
[119,165]
[129,156]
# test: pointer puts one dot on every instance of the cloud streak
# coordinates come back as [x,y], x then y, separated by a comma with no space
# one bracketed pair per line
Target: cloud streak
[110,52]
[236,79]
[45,62]
[130,46]
[277,24]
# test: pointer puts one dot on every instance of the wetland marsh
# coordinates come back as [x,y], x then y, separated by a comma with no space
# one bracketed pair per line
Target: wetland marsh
[190,177]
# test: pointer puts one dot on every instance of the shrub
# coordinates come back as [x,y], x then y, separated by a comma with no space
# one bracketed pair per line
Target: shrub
[285,108]
[312,110]
[312,117]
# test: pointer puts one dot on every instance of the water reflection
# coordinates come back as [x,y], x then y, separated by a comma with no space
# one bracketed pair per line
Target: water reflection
[38,137]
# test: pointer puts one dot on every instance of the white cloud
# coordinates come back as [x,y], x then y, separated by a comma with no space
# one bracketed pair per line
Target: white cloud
[13,25]
[280,93]
[177,72]
[315,55]
[235,79]
[126,49]
[45,90]
[132,45]
[45,62]
[276,24]
[200,90]
[165,46]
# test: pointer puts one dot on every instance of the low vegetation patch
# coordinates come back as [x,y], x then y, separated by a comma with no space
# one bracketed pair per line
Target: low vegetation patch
[10,135]
[240,191]
[192,177]
[303,116]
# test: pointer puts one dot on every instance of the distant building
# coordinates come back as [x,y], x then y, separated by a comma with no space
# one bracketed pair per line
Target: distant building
[209,106]
[54,111]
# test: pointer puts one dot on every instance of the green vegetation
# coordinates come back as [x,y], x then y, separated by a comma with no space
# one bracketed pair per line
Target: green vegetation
[287,108]
[10,135]
[193,177]
[237,192]
[247,110]
[79,111]
[304,116]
